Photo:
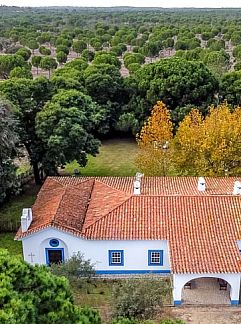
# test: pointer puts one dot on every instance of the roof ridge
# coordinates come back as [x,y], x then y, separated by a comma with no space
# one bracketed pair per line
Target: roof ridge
[128,198]
[57,209]
[65,189]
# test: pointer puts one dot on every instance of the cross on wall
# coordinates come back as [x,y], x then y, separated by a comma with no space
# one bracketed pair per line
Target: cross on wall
[31,255]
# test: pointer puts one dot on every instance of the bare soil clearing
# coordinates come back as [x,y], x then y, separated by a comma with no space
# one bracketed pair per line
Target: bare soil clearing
[208,315]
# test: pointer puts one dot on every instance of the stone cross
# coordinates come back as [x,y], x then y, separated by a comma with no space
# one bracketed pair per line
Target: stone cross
[31,255]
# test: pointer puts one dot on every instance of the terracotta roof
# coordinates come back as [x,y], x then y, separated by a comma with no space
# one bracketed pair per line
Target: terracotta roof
[201,228]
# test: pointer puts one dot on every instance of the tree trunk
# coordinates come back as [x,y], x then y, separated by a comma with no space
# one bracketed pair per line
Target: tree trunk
[36,173]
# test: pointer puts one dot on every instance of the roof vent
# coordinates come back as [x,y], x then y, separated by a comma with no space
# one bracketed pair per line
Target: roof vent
[26,219]
[201,186]
[137,183]
[237,188]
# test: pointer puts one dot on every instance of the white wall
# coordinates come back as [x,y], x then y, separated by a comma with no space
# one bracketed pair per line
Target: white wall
[135,252]
[179,281]
[239,244]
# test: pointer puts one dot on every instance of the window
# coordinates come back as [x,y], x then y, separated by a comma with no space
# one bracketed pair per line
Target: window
[155,257]
[116,257]
[54,243]
[54,256]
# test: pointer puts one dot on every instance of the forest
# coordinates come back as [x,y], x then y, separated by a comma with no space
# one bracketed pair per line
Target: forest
[71,77]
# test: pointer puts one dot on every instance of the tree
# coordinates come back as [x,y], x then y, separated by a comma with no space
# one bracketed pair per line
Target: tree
[79,46]
[8,63]
[230,88]
[8,151]
[32,294]
[32,44]
[61,57]
[25,53]
[48,63]
[36,62]
[66,126]
[177,82]
[153,142]
[44,50]
[88,55]
[21,73]
[76,269]
[139,298]
[211,145]
[106,58]
[29,97]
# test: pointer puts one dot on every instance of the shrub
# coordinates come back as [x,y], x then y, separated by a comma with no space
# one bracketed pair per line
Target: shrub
[139,298]
[76,269]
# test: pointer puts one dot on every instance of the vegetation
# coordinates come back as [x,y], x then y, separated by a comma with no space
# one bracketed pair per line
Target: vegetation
[8,150]
[32,294]
[204,146]
[116,158]
[153,142]
[139,298]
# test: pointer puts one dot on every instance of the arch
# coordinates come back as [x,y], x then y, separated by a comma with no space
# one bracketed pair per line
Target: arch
[46,245]
[233,279]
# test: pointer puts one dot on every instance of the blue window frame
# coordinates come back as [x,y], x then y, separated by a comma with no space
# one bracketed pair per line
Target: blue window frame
[155,257]
[54,255]
[116,257]
[54,242]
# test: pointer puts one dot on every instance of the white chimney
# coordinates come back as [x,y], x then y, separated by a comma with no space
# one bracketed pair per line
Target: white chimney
[201,186]
[237,188]
[137,183]
[137,187]
[26,219]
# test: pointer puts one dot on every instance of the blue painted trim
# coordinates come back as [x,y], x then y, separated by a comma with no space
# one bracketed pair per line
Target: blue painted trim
[110,272]
[54,242]
[177,302]
[47,255]
[161,258]
[235,302]
[122,258]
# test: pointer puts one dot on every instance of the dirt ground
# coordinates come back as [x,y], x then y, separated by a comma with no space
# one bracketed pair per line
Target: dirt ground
[208,315]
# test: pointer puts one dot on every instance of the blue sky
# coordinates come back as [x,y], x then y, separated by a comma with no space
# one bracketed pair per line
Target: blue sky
[139,3]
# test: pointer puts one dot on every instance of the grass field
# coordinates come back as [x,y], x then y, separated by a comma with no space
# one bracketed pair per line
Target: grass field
[116,158]
[7,242]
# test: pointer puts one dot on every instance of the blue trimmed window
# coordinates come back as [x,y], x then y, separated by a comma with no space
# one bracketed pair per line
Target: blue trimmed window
[155,257]
[54,242]
[54,255]
[116,257]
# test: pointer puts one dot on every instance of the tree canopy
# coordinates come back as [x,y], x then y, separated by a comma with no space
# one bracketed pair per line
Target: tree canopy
[32,294]
[66,126]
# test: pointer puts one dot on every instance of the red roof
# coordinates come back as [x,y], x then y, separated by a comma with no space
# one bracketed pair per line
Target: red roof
[201,227]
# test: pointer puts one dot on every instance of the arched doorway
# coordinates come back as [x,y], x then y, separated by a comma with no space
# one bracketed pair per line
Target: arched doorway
[206,291]
[223,287]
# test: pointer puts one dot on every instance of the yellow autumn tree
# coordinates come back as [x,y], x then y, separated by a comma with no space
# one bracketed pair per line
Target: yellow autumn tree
[153,142]
[209,146]
[187,157]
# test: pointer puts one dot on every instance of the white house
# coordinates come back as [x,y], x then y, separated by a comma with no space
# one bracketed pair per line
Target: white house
[184,227]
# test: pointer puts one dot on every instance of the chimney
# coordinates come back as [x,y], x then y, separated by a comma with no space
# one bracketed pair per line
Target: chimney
[137,183]
[201,186]
[237,188]
[26,219]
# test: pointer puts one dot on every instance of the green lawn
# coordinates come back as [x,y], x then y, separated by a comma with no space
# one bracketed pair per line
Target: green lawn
[7,242]
[12,210]
[116,158]
[10,213]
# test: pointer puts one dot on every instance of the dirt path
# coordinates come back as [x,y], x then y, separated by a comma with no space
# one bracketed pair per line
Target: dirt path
[208,315]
